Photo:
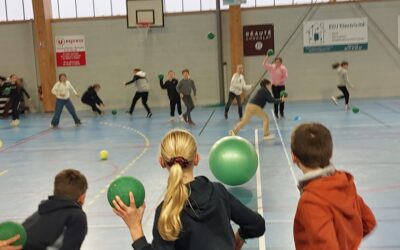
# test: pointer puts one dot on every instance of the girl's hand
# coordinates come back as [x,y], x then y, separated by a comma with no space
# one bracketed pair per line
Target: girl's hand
[6,244]
[131,215]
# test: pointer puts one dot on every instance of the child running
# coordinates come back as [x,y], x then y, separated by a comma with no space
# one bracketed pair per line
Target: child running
[91,98]
[255,108]
[235,90]
[196,213]
[341,70]
[330,214]
[142,90]
[184,88]
[173,95]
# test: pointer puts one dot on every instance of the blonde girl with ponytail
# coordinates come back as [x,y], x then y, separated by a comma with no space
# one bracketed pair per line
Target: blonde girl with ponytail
[195,213]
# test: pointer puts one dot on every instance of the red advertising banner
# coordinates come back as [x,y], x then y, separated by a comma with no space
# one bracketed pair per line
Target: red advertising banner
[258,39]
[70,51]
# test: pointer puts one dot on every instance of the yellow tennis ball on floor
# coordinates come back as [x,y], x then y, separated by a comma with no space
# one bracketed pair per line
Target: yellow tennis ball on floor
[103,155]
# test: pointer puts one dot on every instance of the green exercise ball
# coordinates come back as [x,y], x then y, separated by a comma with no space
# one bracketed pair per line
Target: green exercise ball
[355,110]
[210,35]
[283,93]
[122,186]
[114,112]
[270,52]
[233,160]
[9,229]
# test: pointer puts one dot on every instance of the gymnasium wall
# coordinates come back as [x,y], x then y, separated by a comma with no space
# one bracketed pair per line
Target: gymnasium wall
[112,51]
[375,72]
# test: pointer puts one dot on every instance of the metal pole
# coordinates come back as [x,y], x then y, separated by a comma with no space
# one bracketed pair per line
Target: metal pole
[220,56]
[5,6]
[23,8]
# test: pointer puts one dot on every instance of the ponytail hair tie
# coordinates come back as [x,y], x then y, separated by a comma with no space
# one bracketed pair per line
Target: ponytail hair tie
[180,160]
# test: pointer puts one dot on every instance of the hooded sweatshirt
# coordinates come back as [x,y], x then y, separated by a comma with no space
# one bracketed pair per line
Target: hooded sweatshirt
[141,82]
[59,222]
[90,96]
[206,220]
[330,214]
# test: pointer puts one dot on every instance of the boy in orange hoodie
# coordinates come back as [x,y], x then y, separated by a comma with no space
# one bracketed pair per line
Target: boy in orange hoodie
[330,214]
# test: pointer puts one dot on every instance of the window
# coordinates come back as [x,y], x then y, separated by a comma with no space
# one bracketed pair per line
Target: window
[208,5]
[191,5]
[54,9]
[84,8]
[249,4]
[260,3]
[223,7]
[67,8]
[3,13]
[283,2]
[302,1]
[173,6]
[102,8]
[118,7]
[15,10]
[28,9]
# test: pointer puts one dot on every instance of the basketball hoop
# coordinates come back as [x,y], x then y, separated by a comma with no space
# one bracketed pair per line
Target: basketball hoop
[144,27]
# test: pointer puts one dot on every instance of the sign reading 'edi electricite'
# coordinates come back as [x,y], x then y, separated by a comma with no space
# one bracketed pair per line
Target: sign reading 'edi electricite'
[70,51]
[335,35]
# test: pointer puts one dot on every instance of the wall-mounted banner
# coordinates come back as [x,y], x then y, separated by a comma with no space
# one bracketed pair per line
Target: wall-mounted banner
[233,2]
[257,39]
[70,51]
[335,35]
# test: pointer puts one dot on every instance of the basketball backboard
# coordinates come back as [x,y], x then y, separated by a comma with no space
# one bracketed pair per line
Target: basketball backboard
[141,12]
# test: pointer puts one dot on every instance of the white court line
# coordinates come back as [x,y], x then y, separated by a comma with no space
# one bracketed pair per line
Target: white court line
[285,151]
[130,164]
[3,172]
[260,207]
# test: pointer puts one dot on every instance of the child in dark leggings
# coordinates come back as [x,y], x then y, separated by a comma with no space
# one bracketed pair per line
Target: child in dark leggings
[184,88]
[142,90]
[341,70]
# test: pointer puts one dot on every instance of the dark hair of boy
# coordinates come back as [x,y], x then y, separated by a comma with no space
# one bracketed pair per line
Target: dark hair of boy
[70,183]
[312,145]
[264,83]
[344,63]
[185,70]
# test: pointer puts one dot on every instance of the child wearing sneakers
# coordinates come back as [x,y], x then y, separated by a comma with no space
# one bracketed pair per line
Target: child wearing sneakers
[341,70]
[330,214]
[184,88]
[60,221]
[236,88]
[173,95]
[142,90]
[255,108]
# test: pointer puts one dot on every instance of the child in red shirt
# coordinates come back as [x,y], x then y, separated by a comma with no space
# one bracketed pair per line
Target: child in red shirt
[330,214]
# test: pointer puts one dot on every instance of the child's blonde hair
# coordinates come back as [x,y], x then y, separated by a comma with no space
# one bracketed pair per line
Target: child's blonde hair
[178,151]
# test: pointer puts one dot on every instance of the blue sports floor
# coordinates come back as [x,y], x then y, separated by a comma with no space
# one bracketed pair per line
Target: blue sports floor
[366,144]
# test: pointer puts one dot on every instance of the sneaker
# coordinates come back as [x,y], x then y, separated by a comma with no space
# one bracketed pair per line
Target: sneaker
[334,100]
[191,123]
[231,133]
[276,116]
[181,118]
[269,137]
[53,126]
[149,115]
[185,119]
[282,116]
[129,112]
[346,107]
[172,119]
[78,124]
[226,116]
[14,123]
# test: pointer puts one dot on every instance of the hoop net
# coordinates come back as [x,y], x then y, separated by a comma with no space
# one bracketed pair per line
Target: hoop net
[144,28]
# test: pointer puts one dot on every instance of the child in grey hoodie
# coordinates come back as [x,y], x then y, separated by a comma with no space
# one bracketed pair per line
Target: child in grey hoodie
[184,88]
[142,90]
